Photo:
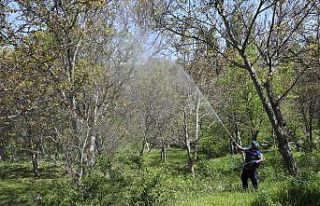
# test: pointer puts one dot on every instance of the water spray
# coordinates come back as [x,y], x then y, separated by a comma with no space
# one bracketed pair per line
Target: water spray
[209,107]
[186,76]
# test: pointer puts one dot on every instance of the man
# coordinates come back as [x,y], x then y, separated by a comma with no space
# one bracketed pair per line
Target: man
[253,157]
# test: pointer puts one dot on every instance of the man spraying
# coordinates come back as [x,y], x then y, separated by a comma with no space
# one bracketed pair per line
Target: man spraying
[253,157]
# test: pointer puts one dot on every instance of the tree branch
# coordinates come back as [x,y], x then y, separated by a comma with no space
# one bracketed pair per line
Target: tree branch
[292,85]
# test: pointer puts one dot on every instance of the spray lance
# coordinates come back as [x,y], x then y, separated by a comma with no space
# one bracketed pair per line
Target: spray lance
[232,145]
[231,139]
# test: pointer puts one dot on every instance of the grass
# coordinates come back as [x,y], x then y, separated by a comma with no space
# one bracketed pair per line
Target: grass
[217,181]
[232,198]
[18,185]
[222,198]
[222,184]
[14,192]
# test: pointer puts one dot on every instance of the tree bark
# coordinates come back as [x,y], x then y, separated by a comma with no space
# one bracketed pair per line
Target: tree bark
[310,127]
[238,139]
[274,139]
[33,155]
[191,160]
[198,130]
[2,153]
[35,164]
[92,147]
[145,145]
[163,150]
[92,150]
[276,120]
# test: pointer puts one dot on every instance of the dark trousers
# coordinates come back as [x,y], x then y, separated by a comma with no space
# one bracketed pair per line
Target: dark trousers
[252,174]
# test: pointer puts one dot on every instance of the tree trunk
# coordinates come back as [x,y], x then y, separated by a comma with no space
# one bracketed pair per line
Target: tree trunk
[33,155]
[163,151]
[238,139]
[145,145]
[2,157]
[311,108]
[13,154]
[277,124]
[274,139]
[198,130]
[191,164]
[93,138]
[35,164]
[92,149]
[191,160]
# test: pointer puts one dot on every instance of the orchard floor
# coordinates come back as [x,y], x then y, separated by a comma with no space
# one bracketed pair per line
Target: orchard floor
[217,181]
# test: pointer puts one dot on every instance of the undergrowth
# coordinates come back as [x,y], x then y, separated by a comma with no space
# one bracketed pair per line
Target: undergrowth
[129,179]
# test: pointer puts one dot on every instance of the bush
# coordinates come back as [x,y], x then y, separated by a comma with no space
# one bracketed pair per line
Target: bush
[112,183]
[293,192]
[60,192]
[212,147]
[301,193]
[214,143]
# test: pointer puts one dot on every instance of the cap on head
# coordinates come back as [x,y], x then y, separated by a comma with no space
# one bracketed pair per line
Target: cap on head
[254,144]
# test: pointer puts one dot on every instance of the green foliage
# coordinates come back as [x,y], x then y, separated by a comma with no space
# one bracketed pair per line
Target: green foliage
[309,161]
[220,199]
[214,142]
[60,192]
[120,181]
[293,192]
[131,179]
[298,193]
[280,189]
[19,187]
[243,110]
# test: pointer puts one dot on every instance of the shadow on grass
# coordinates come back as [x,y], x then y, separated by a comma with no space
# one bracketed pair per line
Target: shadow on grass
[18,185]
[14,171]
[14,192]
[23,170]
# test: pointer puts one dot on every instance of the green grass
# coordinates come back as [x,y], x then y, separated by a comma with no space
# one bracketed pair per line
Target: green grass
[217,181]
[222,198]
[222,184]
[14,192]
[18,185]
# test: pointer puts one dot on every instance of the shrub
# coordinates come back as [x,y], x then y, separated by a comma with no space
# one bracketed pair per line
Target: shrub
[60,192]
[212,147]
[112,182]
[293,192]
[301,193]
[214,143]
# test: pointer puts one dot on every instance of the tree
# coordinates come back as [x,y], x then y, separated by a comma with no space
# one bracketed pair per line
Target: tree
[268,28]
[65,52]
[306,94]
